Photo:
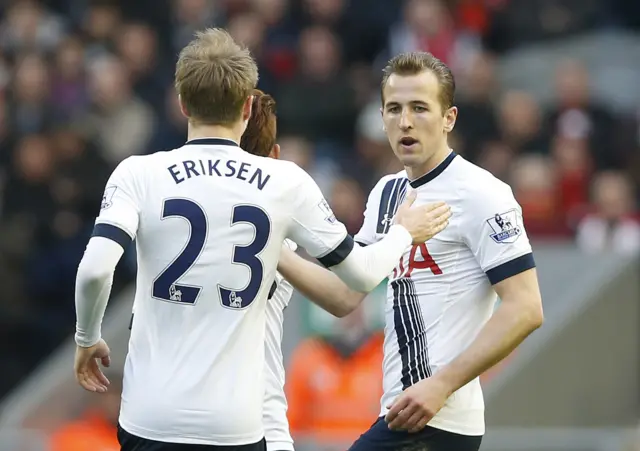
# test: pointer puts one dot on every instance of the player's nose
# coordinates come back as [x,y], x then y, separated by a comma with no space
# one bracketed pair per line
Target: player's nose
[405,121]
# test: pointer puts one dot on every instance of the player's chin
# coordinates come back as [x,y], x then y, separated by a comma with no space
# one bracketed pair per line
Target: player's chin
[408,153]
[410,159]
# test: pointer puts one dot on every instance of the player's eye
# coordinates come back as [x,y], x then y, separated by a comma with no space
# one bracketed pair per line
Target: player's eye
[419,109]
[394,109]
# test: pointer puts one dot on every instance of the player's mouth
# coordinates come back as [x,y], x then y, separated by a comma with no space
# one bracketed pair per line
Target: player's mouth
[409,143]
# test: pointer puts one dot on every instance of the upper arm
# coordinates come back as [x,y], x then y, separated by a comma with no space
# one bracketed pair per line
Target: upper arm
[382,205]
[314,225]
[120,208]
[523,286]
[522,290]
[99,260]
[493,229]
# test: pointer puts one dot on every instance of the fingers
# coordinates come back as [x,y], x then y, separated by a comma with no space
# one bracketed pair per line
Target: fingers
[106,361]
[409,199]
[91,378]
[434,206]
[416,422]
[101,378]
[394,410]
[89,381]
[86,382]
[403,417]
[441,211]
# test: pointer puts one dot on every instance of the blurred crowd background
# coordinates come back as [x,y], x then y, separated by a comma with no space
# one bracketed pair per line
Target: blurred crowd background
[84,84]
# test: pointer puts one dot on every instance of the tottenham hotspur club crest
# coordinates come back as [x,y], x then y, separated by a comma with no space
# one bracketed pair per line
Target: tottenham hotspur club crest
[506,227]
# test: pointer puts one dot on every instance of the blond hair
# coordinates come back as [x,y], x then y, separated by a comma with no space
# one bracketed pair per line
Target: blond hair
[413,63]
[214,77]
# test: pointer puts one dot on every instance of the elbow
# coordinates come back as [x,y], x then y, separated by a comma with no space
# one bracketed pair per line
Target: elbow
[362,284]
[89,275]
[535,316]
[351,300]
[344,309]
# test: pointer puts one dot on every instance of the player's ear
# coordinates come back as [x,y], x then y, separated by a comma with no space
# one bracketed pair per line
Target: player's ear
[246,109]
[275,152]
[183,108]
[450,117]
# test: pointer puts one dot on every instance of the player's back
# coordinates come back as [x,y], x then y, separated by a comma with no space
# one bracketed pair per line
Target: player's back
[209,236]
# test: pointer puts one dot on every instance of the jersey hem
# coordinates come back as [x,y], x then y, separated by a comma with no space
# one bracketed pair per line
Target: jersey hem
[473,428]
[189,440]
[456,428]
[280,446]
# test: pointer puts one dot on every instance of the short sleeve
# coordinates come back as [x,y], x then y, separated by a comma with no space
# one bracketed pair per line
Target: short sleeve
[315,227]
[493,229]
[120,208]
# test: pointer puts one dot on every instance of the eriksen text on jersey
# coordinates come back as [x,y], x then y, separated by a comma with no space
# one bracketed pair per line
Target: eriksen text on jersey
[209,220]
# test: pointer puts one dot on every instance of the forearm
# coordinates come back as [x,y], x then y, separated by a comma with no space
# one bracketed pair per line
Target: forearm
[365,267]
[318,284]
[93,287]
[507,328]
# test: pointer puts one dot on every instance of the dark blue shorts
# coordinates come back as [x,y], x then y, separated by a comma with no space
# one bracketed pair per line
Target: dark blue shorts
[130,442]
[380,438]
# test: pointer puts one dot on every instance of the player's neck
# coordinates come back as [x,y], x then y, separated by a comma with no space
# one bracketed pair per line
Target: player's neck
[196,131]
[415,172]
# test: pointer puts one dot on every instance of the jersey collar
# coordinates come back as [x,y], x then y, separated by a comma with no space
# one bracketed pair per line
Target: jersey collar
[212,142]
[433,173]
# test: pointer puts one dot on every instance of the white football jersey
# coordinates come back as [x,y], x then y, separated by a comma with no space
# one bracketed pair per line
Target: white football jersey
[276,425]
[440,294]
[209,221]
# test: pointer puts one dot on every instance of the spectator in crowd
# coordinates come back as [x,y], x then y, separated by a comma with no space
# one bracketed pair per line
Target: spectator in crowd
[614,225]
[334,384]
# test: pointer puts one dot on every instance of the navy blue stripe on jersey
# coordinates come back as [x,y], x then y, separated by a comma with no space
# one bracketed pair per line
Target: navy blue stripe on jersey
[422,350]
[272,290]
[211,142]
[435,172]
[361,244]
[114,233]
[401,332]
[403,193]
[411,333]
[392,192]
[131,321]
[511,268]
[337,256]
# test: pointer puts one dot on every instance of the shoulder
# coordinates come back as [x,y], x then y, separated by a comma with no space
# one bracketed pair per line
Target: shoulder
[475,184]
[291,172]
[388,183]
[292,179]
[135,164]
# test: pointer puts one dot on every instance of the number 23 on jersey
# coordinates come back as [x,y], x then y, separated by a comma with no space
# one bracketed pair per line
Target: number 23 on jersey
[167,285]
[405,268]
